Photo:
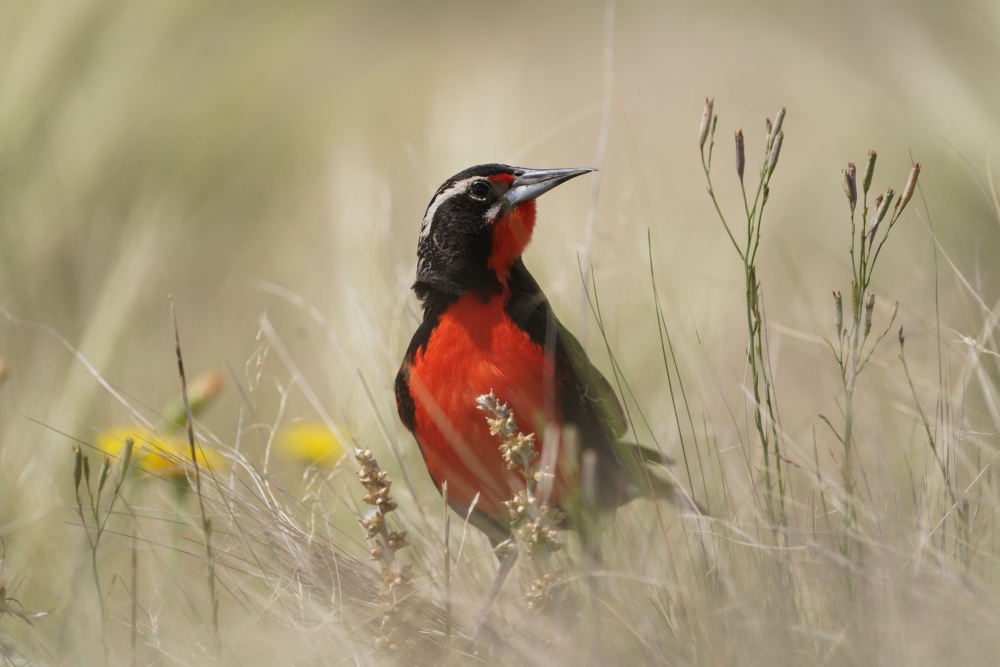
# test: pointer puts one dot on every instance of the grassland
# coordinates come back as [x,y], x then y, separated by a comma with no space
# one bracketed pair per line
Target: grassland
[266,169]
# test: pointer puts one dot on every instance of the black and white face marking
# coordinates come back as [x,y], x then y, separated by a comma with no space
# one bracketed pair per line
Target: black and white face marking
[476,183]
[476,187]
[453,250]
[454,243]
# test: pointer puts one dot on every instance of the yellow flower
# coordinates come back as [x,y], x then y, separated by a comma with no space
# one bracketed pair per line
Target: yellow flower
[311,443]
[157,455]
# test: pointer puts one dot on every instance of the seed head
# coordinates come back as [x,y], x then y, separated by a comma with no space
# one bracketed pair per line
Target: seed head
[397,540]
[86,470]
[102,476]
[911,185]
[772,158]
[706,122]
[878,203]
[869,170]
[126,456]
[851,184]
[869,309]
[882,203]
[77,467]
[774,131]
[741,156]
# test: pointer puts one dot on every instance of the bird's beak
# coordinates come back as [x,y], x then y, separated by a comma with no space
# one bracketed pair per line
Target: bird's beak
[532,183]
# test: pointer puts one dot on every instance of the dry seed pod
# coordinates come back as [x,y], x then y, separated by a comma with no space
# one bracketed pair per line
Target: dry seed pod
[881,208]
[741,157]
[851,184]
[776,128]
[706,122]
[102,476]
[911,185]
[126,458]
[77,467]
[772,158]
[869,170]
[869,309]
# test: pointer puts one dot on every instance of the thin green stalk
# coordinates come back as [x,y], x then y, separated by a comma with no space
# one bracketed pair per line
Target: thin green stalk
[718,210]
[661,328]
[931,441]
[765,419]
[206,524]
[854,348]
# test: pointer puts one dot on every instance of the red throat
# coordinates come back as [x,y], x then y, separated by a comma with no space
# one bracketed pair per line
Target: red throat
[511,235]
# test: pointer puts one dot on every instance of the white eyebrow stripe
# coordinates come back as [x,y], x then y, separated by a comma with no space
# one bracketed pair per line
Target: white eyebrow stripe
[440,198]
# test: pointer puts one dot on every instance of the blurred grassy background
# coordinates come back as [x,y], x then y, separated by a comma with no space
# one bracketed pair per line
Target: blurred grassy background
[208,150]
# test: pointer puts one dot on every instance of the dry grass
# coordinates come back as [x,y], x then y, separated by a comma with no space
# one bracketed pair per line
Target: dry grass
[268,169]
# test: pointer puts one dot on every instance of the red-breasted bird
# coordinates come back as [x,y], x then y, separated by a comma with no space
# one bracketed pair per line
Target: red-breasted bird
[488,326]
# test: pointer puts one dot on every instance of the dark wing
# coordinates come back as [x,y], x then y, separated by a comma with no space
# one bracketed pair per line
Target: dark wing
[405,406]
[586,398]
[434,305]
[589,403]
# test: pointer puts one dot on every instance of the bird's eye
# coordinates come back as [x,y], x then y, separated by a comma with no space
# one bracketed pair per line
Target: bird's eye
[480,190]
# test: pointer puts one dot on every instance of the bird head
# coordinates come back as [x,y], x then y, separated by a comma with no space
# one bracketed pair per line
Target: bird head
[477,225]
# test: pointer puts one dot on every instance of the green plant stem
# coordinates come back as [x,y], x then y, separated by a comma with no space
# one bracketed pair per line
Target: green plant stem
[848,478]
[718,210]
[206,523]
[755,347]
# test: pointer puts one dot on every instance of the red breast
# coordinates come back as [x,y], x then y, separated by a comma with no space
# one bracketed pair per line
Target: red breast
[474,349]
